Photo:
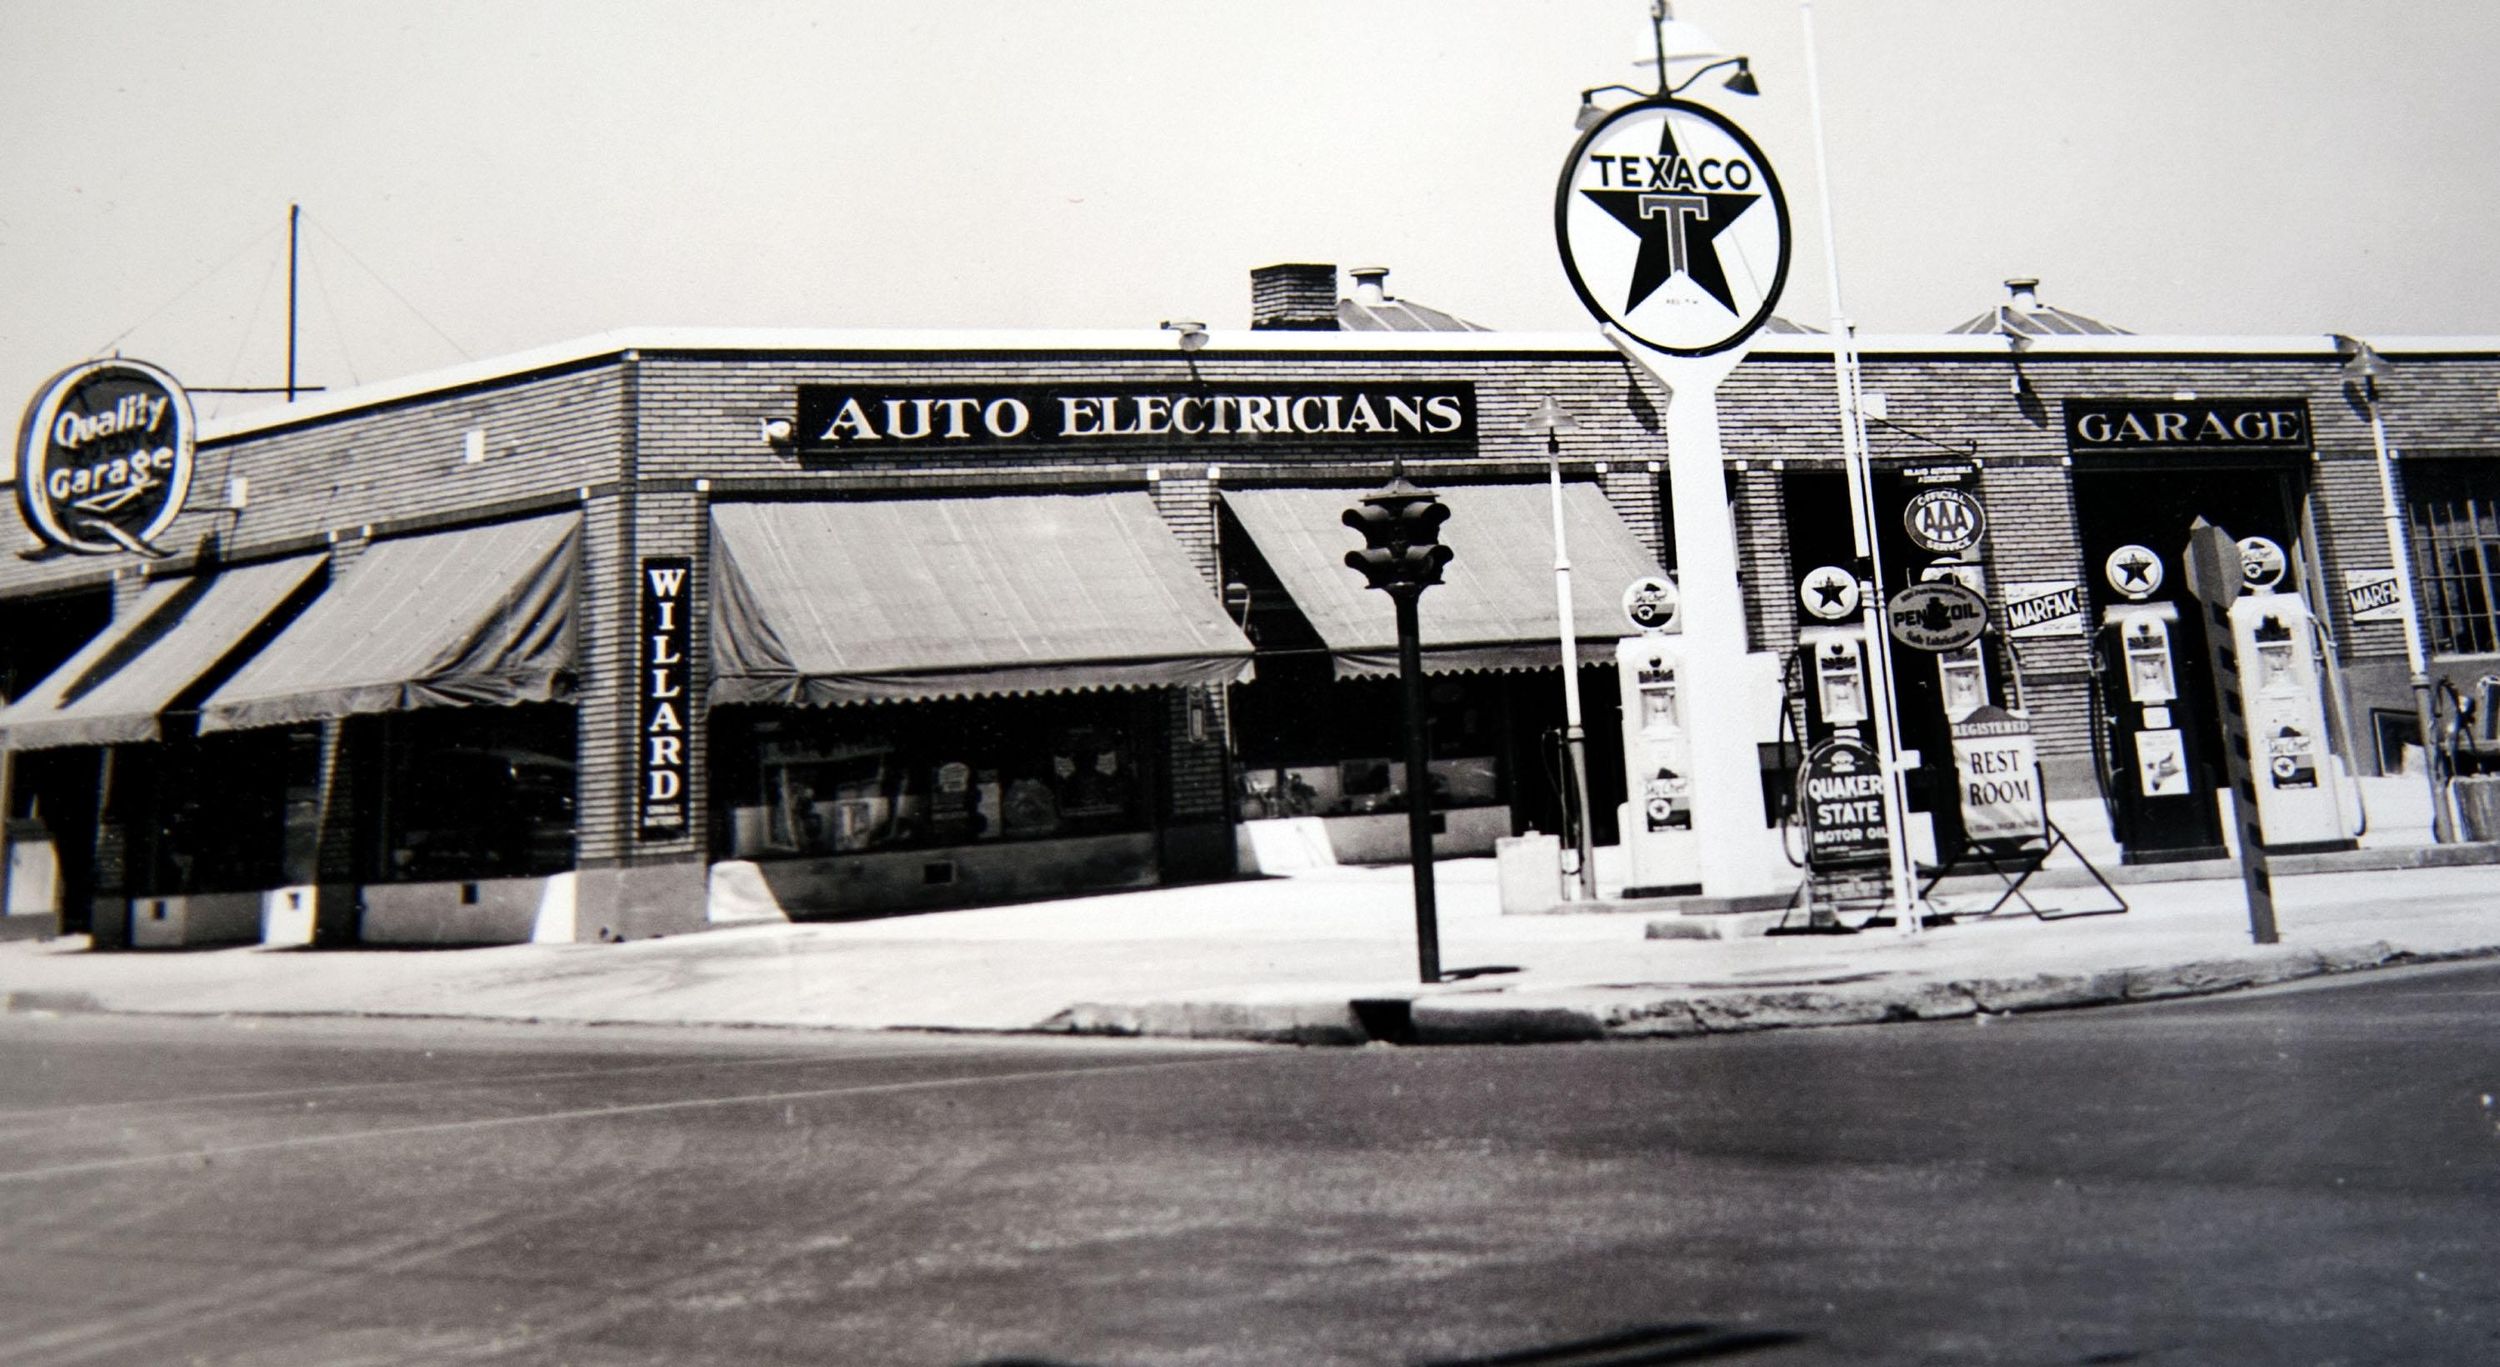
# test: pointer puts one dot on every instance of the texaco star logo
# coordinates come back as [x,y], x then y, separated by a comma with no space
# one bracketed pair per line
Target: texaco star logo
[1673,228]
[1829,593]
[2133,571]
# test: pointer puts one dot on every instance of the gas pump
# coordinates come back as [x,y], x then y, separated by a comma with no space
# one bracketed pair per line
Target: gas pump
[1657,821]
[2160,796]
[2299,807]
[1657,825]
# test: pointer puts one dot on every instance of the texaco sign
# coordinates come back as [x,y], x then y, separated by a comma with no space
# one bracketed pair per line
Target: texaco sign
[1673,228]
[104,458]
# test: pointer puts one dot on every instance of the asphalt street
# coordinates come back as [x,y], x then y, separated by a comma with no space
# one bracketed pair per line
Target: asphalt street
[2302,1174]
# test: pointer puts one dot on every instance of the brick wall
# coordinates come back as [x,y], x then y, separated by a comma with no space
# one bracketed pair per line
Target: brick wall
[1195,776]
[394,468]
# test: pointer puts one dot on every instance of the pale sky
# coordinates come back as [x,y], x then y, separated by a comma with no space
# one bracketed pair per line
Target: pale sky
[515,173]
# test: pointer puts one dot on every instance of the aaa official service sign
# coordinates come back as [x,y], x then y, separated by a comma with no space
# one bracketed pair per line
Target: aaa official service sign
[104,458]
[1672,227]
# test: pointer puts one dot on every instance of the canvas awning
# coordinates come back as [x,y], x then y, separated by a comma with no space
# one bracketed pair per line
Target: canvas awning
[113,690]
[1494,606]
[475,616]
[849,602]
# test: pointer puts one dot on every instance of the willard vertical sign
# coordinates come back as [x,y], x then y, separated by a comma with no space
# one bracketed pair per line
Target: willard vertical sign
[661,791]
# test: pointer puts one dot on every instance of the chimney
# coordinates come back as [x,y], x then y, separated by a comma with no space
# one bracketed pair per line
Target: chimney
[1371,285]
[1294,296]
[2026,292]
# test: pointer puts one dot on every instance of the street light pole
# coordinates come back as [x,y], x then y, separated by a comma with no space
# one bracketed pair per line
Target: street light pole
[1870,566]
[1550,417]
[2362,367]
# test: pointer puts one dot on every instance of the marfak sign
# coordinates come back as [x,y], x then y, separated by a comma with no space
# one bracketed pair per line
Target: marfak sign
[2258,425]
[1672,227]
[104,458]
[903,420]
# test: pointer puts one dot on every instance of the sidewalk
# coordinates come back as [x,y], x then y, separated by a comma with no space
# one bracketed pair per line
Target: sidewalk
[1326,957]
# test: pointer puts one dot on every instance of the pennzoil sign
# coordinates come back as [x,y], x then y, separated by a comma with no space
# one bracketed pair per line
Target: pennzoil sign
[104,458]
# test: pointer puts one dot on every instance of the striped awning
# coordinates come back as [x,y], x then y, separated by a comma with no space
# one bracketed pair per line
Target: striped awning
[116,687]
[850,602]
[1494,607]
[482,615]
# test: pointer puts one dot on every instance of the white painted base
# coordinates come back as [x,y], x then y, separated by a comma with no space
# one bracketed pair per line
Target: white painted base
[286,917]
[1284,845]
[555,923]
[737,895]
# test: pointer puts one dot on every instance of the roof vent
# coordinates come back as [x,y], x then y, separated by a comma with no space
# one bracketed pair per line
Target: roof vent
[2024,315]
[1371,285]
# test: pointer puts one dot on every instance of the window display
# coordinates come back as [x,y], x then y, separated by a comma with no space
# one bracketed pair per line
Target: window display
[880,778]
[1335,762]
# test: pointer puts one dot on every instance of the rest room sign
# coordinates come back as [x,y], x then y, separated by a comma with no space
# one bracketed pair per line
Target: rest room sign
[1996,768]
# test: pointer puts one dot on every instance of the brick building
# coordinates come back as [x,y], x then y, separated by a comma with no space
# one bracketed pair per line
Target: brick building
[581,642]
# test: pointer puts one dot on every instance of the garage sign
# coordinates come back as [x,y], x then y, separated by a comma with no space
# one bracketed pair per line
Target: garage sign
[104,458]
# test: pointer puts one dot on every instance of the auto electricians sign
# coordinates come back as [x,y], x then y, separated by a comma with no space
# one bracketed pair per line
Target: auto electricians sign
[104,458]
[1672,227]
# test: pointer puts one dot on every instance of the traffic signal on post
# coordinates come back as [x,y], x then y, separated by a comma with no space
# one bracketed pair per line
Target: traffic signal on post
[1401,527]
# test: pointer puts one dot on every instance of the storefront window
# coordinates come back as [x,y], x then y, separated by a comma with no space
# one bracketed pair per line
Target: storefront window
[216,808]
[906,776]
[1347,757]
[469,793]
[2455,508]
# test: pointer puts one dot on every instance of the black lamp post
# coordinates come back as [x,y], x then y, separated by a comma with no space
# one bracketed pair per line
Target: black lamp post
[1402,555]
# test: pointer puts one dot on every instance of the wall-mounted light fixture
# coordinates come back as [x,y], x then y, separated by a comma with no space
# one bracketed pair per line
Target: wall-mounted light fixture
[775,431]
[2017,344]
[1193,334]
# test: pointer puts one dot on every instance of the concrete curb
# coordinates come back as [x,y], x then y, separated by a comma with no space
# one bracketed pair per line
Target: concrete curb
[1568,1015]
